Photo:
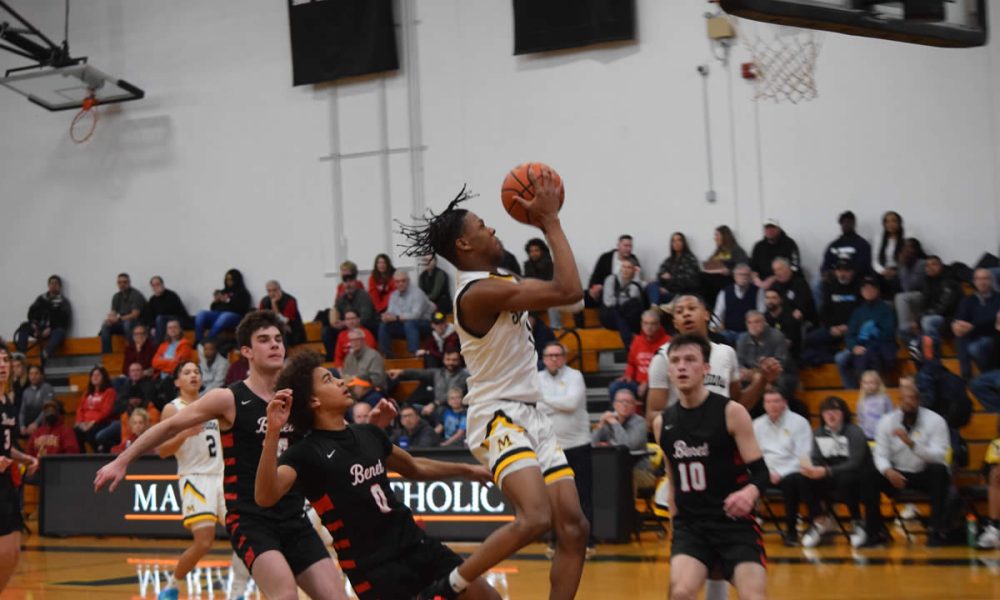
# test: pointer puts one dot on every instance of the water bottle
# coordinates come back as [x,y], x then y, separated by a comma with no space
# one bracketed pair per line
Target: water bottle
[971,530]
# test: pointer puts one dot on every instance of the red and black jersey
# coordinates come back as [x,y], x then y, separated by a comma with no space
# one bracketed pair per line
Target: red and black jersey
[9,501]
[345,477]
[241,448]
[705,463]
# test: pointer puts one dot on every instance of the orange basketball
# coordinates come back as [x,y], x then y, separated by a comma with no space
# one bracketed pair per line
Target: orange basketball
[516,183]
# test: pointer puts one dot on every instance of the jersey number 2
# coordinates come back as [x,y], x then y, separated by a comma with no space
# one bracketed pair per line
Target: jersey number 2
[210,439]
[692,476]
[380,500]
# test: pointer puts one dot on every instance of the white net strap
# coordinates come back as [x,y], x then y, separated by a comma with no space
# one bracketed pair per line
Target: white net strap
[784,61]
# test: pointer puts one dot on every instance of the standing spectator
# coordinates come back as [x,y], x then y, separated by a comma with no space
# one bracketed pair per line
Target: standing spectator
[719,269]
[609,263]
[49,318]
[126,307]
[776,244]
[840,296]
[52,436]
[212,364]
[623,427]
[623,302]
[885,256]
[351,296]
[786,439]
[640,353]
[363,361]
[33,400]
[782,319]
[935,304]
[287,308]
[228,306]
[408,315]
[435,284]
[564,400]
[911,446]
[443,338]
[96,408]
[414,432]
[451,420]
[435,382]
[679,273]
[761,342]
[873,402]
[736,300]
[141,350]
[793,287]
[175,350]
[164,305]
[381,283]
[870,341]
[539,266]
[351,323]
[975,323]
[849,246]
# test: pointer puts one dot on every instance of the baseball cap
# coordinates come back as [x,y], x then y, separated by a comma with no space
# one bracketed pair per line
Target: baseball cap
[437,317]
[870,280]
[358,381]
[772,222]
[845,264]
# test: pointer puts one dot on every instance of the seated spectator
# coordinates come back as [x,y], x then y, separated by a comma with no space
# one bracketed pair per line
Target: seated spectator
[794,289]
[873,402]
[33,400]
[443,338]
[718,270]
[911,446]
[141,350]
[381,283]
[782,319]
[842,469]
[542,334]
[735,300]
[360,413]
[678,274]
[840,294]
[126,307]
[539,266]
[849,247]
[786,440]
[885,253]
[451,420]
[608,264]
[52,436]
[137,384]
[351,296]
[986,387]
[213,365]
[623,427]
[174,350]
[164,306]
[286,307]
[776,244]
[990,537]
[934,304]
[135,400]
[408,315]
[138,422]
[351,323]
[238,371]
[364,392]
[19,380]
[228,307]
[975,323]
[435,284]
[435,383]
[870,341]
[363,361]
[623,302]
[414,432]
[911,267]
[49,318]
[940,390]
[641,352]
[96,408]
[761,342]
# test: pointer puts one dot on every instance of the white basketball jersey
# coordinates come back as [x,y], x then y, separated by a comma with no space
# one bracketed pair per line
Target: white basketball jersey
[724,368]
[200,454]
[503,364]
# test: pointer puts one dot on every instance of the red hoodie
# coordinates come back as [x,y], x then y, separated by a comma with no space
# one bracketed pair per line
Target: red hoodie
[641,353]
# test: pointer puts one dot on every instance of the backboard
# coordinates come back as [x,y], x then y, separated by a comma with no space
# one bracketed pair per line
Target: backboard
[66,88]
[944,23]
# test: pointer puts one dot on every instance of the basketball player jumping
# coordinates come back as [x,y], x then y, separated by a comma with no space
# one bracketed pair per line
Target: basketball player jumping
[199,467]
[717,472]
[343,471]
[505,430]
[278,544]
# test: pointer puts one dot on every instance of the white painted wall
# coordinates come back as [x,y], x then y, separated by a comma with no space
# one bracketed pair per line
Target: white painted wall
[220,165]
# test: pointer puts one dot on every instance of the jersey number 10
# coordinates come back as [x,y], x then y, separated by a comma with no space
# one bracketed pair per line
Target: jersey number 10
[692,476]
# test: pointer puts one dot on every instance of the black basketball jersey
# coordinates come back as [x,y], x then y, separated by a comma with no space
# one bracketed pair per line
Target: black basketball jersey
[241,449]
[345,477]
[705,463]
[8,433]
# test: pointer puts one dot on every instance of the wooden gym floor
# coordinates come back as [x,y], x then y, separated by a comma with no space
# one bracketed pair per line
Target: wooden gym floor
[113,568]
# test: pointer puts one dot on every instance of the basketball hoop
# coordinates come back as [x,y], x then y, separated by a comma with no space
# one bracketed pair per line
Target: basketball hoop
[784,60]
[89,108]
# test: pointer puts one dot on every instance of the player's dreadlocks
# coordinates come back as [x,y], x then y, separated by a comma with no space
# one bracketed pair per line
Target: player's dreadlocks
[436,233]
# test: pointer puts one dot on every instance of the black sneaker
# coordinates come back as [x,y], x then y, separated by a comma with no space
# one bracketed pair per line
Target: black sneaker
[440,589]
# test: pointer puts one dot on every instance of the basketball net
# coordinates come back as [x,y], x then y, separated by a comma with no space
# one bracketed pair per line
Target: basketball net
[79,131]
[784,60]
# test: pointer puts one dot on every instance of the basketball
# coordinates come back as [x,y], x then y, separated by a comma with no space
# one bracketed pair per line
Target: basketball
[516,183]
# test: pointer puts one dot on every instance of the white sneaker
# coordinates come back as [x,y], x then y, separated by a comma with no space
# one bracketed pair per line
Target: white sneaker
[858,535]
[814,535]
[909,512]
[989,538]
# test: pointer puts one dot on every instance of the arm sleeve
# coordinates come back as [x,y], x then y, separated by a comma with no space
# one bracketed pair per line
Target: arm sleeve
[636,433]
[882,442]
[69,443]
[107,405]
[575,396]
[632,362]
[876,265]
[803,438]
[720,306]
[658,379]
[608,293]
[934,446]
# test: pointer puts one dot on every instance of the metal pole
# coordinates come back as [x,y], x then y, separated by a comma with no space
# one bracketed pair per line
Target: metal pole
[710,194]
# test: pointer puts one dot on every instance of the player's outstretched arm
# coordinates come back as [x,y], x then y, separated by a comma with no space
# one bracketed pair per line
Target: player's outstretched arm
[172,445]
[425,469]
[216,404]
[273,481]
[741,503]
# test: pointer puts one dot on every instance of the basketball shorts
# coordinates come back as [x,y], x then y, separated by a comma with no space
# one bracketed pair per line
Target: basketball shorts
[10,508]
[509,436]
[408,575]
[719,543]
[295,539]
[203,502]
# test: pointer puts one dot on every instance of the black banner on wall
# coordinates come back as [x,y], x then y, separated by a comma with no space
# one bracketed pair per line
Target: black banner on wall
[333,39]
[543,25]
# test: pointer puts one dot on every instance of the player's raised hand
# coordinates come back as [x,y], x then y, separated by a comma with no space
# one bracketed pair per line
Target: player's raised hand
[383,414]
[111,475]
[278,410]
[548,195]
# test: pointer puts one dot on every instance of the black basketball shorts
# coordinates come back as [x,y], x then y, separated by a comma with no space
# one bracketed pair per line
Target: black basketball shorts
[294,538]
[719,543]
[416,569]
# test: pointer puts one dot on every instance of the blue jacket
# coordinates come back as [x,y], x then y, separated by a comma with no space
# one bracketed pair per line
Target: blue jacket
[877,313]
[982,314]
